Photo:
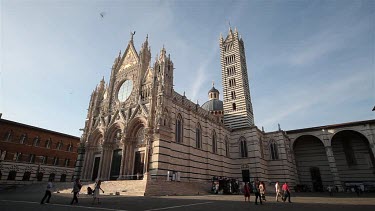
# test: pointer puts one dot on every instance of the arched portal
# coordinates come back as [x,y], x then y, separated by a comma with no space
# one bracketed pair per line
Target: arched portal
[354,159]
[312,163]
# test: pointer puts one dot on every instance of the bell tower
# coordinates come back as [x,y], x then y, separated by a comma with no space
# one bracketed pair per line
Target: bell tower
[238,110]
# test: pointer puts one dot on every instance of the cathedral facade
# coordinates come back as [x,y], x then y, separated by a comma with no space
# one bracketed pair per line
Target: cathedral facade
[139,127]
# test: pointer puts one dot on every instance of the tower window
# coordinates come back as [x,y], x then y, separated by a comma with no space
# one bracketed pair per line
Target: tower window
[233,94]
[234,106]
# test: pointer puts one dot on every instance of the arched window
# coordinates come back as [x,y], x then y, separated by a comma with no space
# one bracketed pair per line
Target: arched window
[12,175]
[69,148]
[198,136]
[63,178]
[226,147]
[59,145]
[23,138]
[48,144]
[234,106]
[179,129]
[8,136]
[51,177]
[36,141]
[273,150]
[243,147]
[26,176]
[56,161]
[214,142]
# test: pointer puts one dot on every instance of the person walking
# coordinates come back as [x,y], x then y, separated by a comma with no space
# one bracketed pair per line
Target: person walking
[256,192]
[286,192]
[47,193]
[278,191]
[330,190]
[97,191]
[262,191]
[76,188]
[246,191]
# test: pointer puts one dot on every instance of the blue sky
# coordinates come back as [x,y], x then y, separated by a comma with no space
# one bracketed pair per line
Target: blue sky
[310,63]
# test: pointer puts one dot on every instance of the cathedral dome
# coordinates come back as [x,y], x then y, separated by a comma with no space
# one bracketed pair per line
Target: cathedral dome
[213,89]
[213,105]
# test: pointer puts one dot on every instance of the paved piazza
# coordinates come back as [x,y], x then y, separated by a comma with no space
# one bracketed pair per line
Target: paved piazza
[21,201]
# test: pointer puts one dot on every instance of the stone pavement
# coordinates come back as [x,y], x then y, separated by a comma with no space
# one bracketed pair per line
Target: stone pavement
[17,201]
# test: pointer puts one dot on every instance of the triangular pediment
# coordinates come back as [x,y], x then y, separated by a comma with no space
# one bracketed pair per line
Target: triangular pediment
[130,57]
[148,76]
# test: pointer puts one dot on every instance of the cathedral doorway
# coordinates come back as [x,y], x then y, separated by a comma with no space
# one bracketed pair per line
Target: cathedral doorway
[95,169]
[246,175]
[116,164]
[139,164]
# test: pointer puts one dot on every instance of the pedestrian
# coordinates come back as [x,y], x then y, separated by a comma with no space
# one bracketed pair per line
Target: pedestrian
[256,192]
[246,191]
[76,188]
[262,190]
[330,190]
[278,191]
[97,191]
[47,193]
[286,192]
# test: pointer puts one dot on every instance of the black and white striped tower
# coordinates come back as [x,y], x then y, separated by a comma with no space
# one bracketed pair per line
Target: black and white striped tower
[238,110]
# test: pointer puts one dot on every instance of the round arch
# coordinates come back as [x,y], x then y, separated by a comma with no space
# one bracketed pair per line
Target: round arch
[354,158]
[312,162]
[96,138]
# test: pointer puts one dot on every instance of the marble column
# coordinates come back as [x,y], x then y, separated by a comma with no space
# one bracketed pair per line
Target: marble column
[333,168]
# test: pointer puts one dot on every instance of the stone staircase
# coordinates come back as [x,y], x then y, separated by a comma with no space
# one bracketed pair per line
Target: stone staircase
[165,188]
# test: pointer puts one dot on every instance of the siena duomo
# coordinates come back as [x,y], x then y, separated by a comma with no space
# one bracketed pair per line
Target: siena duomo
[139,128]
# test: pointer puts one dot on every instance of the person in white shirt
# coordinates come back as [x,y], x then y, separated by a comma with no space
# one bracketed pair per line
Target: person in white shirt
[278,191]
[48,193]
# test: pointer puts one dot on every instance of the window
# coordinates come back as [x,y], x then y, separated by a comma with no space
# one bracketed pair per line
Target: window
[70,147]
[48,144]
[23,139]
[234,106]
[179,129]
[32,158]
[232,82]
[44,159]
[36,142]
[274,151]
[214,142]
[243,147]
[233,95]
[8,136]
[18,156]
[66,162]
[55,161]
[198,136]
[59,145]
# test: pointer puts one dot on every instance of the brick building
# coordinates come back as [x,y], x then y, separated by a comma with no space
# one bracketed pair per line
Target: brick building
[29,153]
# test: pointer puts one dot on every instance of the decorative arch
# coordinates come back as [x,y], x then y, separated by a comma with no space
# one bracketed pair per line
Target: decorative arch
[353,155]
[96,138]
[243,147]
[312,162]
[179,132]
[303,136]
[114,133]
[134,125]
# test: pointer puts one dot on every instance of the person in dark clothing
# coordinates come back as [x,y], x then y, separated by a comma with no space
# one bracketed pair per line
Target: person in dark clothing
[48,193]
[76,188]
[257,192]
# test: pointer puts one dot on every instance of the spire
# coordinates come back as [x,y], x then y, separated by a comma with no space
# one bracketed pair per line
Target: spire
[131,36]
